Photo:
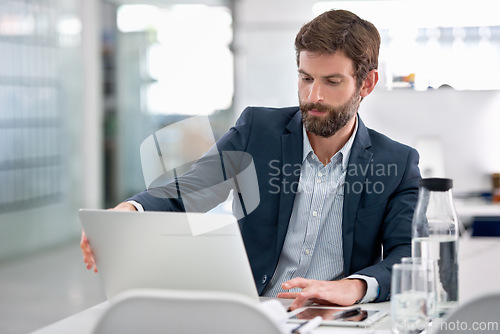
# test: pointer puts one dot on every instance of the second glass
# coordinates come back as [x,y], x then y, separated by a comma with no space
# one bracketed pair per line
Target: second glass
[409,298]
[432,269]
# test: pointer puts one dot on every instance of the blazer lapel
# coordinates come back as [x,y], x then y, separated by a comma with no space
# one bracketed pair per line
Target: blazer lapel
[291,150]
[359,161]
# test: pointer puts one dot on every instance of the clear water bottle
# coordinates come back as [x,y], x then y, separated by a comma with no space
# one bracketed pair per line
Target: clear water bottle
[435,236]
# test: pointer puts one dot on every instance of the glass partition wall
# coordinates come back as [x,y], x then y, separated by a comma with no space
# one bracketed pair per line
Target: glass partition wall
[40,117]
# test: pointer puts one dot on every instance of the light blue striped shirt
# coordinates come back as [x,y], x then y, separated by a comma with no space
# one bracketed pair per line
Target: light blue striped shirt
[313,244]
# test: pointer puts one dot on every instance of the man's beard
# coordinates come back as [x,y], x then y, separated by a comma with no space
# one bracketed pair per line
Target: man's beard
[336,118]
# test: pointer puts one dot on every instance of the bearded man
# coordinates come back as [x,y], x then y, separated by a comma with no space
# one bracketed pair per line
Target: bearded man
[328,226]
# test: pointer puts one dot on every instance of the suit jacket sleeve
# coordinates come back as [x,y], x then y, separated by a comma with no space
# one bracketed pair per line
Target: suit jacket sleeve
[208,182]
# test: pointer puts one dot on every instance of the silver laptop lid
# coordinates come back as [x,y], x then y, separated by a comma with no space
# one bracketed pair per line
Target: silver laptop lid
[168,250]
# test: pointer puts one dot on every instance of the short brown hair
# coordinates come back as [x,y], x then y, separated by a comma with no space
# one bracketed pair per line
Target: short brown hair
[341,30]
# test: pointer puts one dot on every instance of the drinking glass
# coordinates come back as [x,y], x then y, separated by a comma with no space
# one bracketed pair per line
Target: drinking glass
[409,298]
[432,279]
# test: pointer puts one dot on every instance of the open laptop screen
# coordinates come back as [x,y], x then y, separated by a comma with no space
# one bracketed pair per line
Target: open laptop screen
[168,250]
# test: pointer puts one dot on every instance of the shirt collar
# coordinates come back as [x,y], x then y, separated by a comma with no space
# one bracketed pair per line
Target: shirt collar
[344,152]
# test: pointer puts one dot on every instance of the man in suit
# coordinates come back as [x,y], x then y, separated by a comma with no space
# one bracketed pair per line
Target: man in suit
[336,198]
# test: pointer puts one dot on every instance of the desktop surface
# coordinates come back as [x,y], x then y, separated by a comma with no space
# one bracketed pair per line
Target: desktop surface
[84,322]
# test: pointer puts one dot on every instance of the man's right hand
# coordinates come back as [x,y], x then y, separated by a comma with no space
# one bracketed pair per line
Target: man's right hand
[88,257]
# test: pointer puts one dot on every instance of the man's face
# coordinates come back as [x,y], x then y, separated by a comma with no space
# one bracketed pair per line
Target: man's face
[328,95]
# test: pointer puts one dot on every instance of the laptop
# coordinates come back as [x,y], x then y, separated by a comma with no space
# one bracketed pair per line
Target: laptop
[178,251]
[168,250]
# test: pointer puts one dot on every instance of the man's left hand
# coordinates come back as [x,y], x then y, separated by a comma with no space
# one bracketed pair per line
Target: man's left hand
[344,292]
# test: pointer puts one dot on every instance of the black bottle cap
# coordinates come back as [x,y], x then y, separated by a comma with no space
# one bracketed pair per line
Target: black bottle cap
[436,184]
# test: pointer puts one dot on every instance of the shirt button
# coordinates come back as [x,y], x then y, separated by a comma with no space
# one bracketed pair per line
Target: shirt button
[318,181]
[307,252]
[264,279]
[315,213]
[320,174]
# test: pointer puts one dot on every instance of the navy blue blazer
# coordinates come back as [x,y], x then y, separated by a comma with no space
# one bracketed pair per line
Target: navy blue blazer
[380,194]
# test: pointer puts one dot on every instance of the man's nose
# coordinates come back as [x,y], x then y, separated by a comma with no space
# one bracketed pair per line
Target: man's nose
[316,93]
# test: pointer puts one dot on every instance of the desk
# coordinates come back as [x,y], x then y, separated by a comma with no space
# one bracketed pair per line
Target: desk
[83,322]
[477,276]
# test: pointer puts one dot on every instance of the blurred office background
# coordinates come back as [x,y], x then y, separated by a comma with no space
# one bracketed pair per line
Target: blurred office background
[84,82]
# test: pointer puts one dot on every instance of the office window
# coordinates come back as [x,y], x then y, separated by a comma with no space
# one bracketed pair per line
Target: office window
[188,68]
[172,61]
[31,127]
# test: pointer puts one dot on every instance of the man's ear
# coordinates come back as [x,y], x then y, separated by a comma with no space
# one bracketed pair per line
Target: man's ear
[369,83]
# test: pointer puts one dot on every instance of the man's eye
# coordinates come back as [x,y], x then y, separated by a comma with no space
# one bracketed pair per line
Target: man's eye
[306,79]
[330,82]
